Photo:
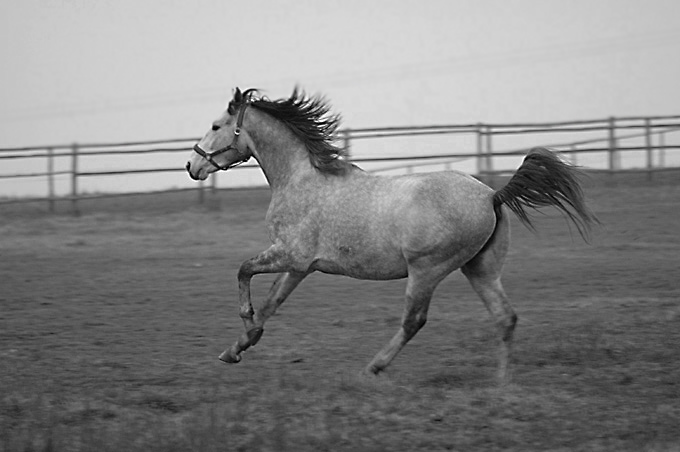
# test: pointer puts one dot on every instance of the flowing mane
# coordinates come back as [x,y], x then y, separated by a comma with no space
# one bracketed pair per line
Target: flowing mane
[310,119]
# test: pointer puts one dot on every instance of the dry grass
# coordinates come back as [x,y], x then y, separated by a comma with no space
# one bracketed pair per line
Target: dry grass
[111,324]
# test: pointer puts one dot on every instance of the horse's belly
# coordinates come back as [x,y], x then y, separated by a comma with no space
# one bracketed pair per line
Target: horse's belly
[360,264]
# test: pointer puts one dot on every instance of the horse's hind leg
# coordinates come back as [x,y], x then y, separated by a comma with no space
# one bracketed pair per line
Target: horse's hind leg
[419,291]
[484,273]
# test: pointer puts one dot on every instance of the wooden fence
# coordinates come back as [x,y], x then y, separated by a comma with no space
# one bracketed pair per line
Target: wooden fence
[611,137]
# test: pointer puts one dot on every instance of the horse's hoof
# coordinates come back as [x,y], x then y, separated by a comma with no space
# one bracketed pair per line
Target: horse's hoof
[371,371]
[254,335]
[229,357]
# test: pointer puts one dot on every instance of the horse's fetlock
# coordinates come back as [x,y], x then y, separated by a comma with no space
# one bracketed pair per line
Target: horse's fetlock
[507,326]
[247,312]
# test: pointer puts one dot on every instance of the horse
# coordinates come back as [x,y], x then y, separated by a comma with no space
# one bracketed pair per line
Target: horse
[326,214]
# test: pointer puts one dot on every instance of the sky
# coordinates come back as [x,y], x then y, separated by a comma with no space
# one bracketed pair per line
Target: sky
[111,71]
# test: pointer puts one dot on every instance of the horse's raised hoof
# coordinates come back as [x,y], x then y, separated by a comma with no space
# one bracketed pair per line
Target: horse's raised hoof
[228,357]
[254,335]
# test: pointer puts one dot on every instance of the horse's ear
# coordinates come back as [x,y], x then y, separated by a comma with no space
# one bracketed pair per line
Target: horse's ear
[238,96]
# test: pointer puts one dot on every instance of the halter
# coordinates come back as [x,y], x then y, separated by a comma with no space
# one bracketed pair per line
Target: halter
[243,156]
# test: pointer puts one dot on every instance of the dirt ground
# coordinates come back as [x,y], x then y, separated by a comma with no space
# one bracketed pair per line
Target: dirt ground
[111,324]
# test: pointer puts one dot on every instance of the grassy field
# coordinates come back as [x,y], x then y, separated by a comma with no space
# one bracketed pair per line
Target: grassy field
[111,323]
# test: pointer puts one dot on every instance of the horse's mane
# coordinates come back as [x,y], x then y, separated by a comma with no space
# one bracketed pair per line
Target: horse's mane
[310,119]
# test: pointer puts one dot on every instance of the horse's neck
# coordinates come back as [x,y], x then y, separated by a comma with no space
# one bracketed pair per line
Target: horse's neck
[284,162]
[284,159]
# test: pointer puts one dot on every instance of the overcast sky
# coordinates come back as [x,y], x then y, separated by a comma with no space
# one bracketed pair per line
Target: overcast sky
[100,71]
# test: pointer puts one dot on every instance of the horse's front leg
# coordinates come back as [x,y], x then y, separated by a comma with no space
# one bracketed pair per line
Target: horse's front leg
[273,260]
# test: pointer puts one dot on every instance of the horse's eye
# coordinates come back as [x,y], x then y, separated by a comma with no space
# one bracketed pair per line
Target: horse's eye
[215,127]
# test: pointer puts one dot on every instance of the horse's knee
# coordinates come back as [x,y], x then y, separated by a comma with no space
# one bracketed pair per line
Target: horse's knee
[244,272]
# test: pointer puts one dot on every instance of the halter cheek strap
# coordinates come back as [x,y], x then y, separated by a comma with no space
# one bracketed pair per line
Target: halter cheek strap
[242,156]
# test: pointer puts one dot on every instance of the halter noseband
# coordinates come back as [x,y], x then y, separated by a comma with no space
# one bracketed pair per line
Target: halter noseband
[243,156]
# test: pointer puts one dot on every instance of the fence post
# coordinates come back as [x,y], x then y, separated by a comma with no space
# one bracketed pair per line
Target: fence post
[612,145]
[489,157]
[662,150]
[213,183]
[50,179]
[347,139]
[201,192]
[480,152]
[74,179]
[648,145]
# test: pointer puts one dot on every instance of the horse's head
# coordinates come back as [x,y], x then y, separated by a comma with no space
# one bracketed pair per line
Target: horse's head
[226,145]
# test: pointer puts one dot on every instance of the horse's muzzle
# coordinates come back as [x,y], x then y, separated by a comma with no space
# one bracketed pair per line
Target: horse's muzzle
[191,175]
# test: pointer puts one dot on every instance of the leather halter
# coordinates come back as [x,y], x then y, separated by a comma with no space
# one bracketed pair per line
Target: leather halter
[243,156]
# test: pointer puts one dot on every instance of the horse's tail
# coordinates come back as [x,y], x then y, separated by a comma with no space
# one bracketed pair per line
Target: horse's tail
[545,180]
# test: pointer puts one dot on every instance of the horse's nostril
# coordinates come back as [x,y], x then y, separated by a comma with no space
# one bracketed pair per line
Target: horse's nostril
[188,167]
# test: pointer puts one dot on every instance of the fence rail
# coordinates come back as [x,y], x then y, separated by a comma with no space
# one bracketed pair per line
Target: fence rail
[614,132]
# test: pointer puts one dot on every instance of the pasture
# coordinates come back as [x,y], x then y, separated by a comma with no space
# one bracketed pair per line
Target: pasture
[111,324]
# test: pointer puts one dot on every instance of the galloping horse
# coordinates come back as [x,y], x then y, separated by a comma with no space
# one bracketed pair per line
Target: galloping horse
[328,215]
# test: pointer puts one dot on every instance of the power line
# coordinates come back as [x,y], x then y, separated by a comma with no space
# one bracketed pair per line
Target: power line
[433,68]
[536,55]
